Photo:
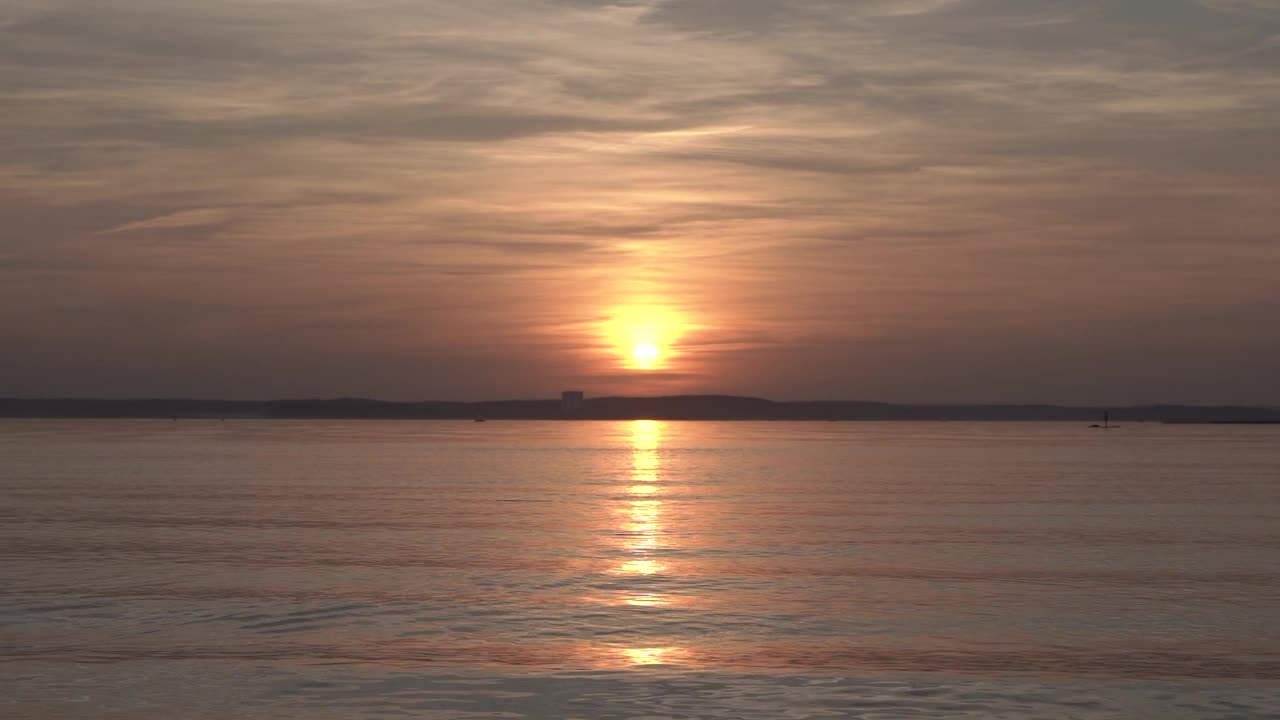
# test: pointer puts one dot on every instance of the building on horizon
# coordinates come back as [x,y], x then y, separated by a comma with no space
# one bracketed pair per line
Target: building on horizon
[571,402]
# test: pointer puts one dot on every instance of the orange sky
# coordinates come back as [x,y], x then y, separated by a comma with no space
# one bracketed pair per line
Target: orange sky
[911,200]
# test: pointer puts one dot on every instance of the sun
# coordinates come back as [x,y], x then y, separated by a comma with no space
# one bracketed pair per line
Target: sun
[645,337]
[646,355]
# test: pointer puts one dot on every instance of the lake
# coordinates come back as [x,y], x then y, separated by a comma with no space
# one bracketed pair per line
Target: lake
[646,569]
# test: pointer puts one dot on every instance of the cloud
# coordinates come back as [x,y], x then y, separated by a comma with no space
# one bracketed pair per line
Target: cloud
[1265,9]
[180,219]
[464,180]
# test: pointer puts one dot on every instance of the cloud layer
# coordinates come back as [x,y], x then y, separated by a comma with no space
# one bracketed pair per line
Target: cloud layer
[1071,201]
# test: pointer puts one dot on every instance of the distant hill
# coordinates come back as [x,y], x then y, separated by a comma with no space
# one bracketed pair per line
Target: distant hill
[677,407]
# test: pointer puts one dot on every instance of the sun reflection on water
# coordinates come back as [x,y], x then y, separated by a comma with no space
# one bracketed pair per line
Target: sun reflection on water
[649,656]
[642,524]
[643,566]
[647,600]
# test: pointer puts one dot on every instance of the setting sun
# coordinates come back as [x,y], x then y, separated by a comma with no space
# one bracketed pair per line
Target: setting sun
[645,336]
[645,355]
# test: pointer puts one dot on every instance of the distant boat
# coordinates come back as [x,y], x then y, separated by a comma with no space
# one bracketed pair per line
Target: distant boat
[479,419]
[1106,421]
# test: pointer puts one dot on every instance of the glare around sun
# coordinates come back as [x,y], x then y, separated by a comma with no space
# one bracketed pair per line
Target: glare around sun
[644,336]
[645,355]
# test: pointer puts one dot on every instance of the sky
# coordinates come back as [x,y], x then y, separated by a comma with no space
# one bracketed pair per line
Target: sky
[902,200]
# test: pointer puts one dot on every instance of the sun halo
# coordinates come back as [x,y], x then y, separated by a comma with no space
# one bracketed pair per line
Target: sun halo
[646,355]
[644,337]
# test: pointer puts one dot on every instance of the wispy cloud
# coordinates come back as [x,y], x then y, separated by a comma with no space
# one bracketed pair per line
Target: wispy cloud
[843,179]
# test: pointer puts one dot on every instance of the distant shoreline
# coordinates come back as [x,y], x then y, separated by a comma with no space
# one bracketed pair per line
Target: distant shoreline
[679,407]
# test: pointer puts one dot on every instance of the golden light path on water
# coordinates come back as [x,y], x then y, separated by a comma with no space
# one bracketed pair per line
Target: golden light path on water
[643,526]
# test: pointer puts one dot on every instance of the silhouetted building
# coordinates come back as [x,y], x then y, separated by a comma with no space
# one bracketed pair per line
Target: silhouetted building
[571,402]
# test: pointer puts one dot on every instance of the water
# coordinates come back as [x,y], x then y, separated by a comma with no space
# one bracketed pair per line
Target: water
[278,569]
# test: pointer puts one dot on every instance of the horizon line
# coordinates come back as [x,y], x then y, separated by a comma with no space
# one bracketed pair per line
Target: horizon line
[553,399]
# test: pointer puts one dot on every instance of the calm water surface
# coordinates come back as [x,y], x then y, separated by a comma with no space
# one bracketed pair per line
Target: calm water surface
[279,569]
